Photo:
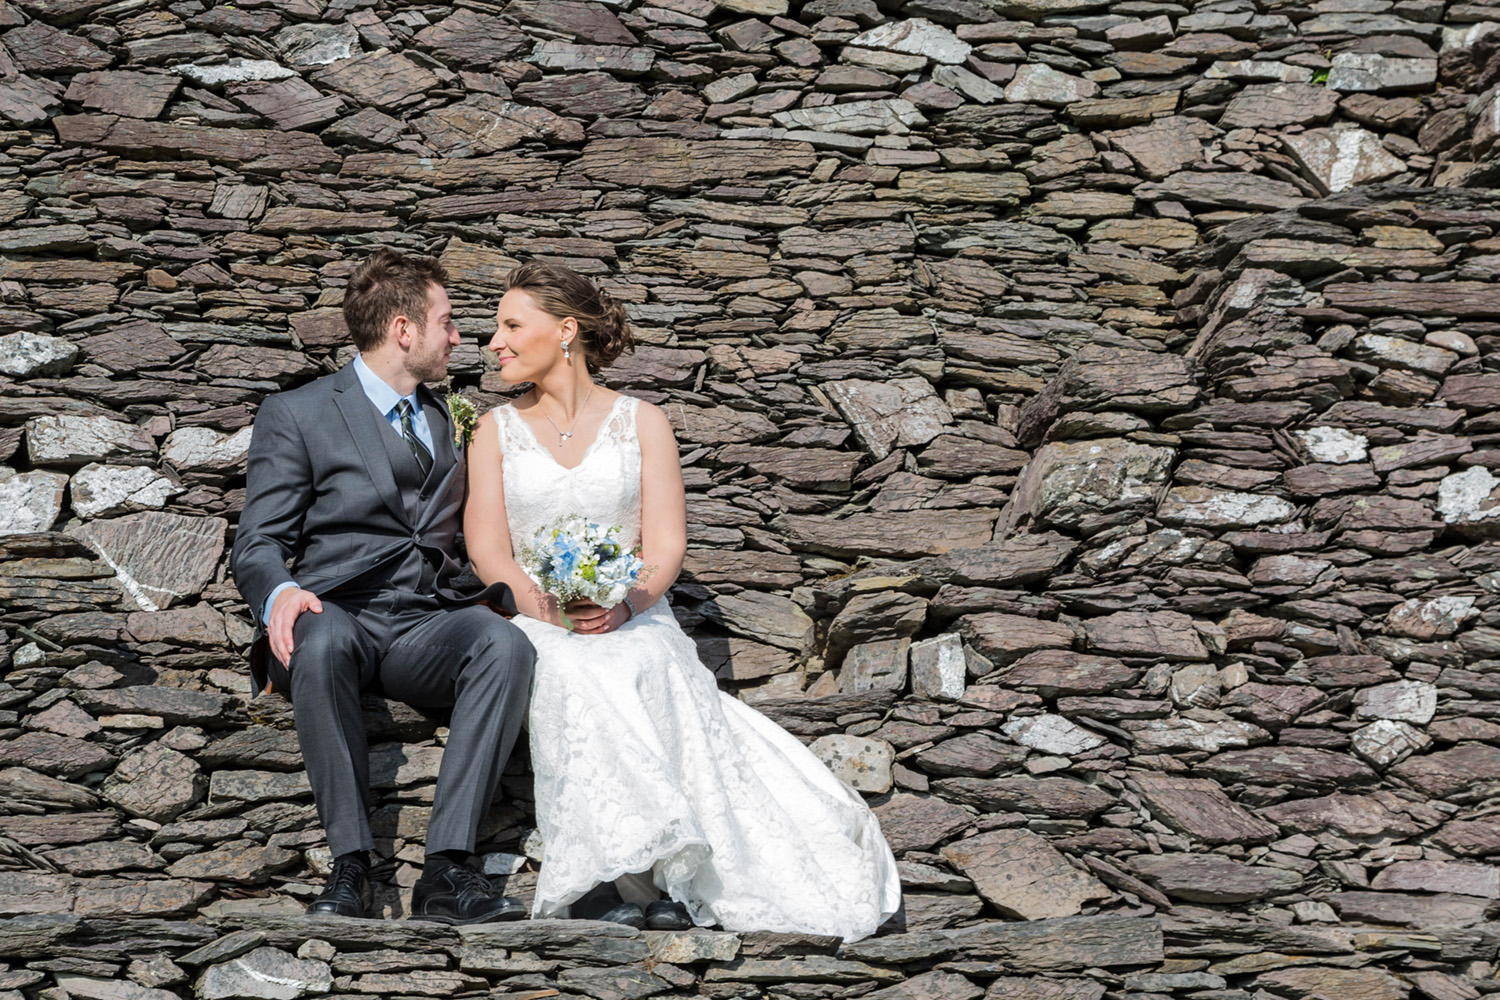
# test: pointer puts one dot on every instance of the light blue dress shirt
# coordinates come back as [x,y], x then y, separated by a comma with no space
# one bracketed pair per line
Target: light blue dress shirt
[385,399]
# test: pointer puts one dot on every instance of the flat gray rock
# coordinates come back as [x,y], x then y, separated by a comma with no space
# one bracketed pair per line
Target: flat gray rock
[1209,878]
[1023,876]
[265,973]
[1338,159]
[159,558]
[155,783]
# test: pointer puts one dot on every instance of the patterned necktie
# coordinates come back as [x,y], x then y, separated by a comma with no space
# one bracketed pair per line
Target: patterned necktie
[409,432]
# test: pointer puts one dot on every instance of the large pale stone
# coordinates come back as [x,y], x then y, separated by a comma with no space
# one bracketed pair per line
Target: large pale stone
[697,945]
[1398,352]
[1052,734]
[1433,618]
[939,668]
[1201,507]
[1168,735]
[1467,501]
[1371,71]
[203,449]
[1038,83]
[1069,481]
[901,413]
[73,441]
[861,763]
[873,666]
[265,974]
[27,354]
[916,36]
[315,44]
[1022,875]
[892,115]
[1462,36]
[158,557]
[233,71]
[101,490]
[1338,159]
[1406,701]
[1196,685]
[30,501]
[1333,444]
[1386,741]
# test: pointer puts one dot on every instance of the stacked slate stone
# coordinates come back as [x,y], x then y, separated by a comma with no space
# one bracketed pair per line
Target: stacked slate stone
[1089,412]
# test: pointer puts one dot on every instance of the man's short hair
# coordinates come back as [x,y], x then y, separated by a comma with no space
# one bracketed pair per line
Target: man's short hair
[388,284]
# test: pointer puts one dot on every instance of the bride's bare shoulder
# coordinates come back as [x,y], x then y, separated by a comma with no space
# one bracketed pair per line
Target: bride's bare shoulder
[652,421]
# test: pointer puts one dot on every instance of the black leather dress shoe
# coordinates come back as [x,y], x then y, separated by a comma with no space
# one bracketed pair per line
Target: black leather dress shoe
[629,914]
[460,895]
[667,915]
[347,894]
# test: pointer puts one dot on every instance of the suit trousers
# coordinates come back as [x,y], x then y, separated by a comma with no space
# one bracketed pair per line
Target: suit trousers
[421,651]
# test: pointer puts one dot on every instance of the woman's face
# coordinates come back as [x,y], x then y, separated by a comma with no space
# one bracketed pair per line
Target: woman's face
[528,340]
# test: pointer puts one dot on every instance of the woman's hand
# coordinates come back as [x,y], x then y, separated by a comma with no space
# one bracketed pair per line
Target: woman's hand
[589,618]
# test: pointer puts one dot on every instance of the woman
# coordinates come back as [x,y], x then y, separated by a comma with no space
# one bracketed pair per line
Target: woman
[646,774]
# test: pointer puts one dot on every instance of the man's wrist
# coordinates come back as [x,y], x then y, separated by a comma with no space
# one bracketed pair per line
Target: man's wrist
[271,600]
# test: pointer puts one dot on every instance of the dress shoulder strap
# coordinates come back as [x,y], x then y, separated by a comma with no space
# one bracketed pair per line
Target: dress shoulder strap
[505,428]
[620,427]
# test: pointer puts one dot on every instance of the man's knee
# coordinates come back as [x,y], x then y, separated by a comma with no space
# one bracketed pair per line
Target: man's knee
[325,645]
[497,644]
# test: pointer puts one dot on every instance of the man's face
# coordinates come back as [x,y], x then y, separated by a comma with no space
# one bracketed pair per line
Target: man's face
[432,344]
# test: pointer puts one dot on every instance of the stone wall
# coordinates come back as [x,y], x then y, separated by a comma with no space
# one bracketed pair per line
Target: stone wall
[1089,413]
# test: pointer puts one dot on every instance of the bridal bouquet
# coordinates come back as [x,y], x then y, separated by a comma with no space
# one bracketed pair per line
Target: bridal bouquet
[576,559]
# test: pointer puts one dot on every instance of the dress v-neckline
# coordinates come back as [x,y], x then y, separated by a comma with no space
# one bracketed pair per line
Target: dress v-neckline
[598,436]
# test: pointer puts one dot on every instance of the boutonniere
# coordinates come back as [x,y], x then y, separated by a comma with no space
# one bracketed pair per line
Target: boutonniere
[465,418]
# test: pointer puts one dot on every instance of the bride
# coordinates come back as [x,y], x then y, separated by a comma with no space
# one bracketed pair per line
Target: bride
[647,776]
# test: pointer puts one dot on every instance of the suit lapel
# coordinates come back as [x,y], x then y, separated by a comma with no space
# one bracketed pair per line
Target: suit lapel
[445,457]
[366,430]
[444,452]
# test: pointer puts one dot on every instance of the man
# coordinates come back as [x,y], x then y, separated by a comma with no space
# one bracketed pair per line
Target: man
[357,481]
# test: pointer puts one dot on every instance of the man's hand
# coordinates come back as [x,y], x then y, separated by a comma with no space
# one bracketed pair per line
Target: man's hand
[289,604]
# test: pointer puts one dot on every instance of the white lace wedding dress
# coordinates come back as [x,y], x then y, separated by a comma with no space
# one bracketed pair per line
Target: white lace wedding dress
[642,764]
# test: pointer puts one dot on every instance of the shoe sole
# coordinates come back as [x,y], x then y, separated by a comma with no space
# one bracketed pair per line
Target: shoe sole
[486,918]
[346,916]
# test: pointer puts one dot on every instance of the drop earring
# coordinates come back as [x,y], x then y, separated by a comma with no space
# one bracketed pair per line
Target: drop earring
[567,354]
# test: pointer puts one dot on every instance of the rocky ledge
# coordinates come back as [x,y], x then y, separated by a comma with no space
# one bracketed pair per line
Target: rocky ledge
[1090,412]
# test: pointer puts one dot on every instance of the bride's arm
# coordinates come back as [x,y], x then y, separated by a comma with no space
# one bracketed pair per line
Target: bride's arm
[663,506]
[663,525]
[487,533]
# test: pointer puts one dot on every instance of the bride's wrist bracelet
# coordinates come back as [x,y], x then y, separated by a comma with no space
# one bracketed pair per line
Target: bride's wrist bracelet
[630,606]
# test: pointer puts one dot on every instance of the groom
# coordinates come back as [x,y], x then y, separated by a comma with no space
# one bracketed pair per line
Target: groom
[356,484]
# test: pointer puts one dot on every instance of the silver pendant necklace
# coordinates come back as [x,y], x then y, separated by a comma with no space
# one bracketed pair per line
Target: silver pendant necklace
[563,435]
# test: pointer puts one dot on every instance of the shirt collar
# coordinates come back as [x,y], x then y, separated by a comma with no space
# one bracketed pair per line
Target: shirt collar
[380,392]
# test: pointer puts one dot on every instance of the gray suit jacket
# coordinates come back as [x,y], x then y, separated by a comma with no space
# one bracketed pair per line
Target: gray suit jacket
[323,507]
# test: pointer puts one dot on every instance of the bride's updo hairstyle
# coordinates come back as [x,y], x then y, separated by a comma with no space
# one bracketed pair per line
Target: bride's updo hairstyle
[603,330]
